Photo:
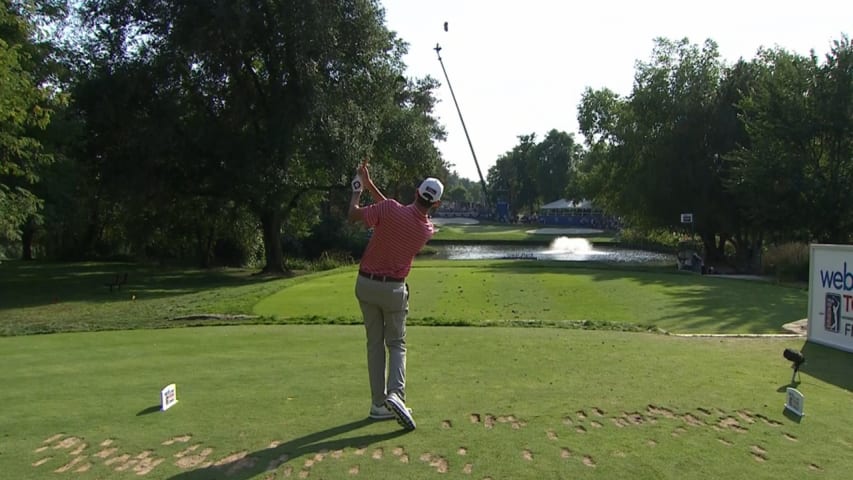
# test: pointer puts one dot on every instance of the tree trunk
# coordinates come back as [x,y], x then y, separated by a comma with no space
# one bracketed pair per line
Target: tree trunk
[271,224]
[27,234]
[204,244]
[748,253]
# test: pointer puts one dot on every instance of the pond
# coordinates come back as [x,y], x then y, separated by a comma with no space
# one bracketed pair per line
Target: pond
[561,248]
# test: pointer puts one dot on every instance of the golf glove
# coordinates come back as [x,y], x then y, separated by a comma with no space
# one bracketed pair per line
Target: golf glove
[356,184]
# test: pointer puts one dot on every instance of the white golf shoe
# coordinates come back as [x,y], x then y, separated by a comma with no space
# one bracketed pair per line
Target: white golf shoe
[401,413]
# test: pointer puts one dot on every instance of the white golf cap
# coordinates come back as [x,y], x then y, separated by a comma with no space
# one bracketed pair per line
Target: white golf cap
[431,189]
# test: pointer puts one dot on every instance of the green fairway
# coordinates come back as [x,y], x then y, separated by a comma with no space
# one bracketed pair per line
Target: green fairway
[291,401]
[45,297]
[503,232]
[558,293]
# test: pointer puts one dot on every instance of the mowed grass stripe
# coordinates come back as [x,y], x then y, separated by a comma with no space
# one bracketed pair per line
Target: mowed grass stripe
[503,293]
[490,402]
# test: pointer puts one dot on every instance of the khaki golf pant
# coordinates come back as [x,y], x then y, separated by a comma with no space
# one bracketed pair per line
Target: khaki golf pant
[384,306]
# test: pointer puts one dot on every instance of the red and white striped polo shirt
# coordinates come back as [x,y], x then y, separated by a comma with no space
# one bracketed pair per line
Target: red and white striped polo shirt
[399,233]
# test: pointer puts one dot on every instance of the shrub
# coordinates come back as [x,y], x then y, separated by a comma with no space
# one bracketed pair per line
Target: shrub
[787,261]
[331,259]
[655,240]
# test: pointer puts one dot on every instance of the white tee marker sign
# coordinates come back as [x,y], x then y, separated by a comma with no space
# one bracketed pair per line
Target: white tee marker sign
[168,397]
[794,401]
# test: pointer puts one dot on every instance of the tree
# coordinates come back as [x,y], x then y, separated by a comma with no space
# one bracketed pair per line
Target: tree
[655,155]
[511,177]
[799,162]
[271,101]
[405,151]
[26,103]
[555,159]
[459,195]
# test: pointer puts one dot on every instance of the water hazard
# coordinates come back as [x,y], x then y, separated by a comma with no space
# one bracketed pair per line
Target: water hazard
[561,248]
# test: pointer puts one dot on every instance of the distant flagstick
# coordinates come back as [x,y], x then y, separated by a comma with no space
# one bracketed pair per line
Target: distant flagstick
[464,128]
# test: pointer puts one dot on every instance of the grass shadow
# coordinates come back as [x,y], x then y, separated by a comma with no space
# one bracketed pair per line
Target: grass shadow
[269,459]
[711,302]
[148,410]
[791,416]
[828,364]
[30,284]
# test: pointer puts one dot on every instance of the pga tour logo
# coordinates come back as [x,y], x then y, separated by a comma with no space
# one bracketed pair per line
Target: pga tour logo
[835,303]
[832,313]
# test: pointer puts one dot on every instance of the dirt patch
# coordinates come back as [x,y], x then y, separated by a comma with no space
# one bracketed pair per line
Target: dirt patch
[758,454]
[67,443]
[438,462]
[68,466]
[660,411]
[180,439]
[692,421]
[53,438]
[732,424]
[400,453]
[185,460]
[106,452]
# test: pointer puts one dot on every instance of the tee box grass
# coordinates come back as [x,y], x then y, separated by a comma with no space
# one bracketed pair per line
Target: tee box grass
[290,401]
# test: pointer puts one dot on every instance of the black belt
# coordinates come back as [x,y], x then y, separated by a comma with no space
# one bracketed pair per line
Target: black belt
[380,278]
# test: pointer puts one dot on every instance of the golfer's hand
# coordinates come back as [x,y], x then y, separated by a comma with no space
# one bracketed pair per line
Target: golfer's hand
[364,172]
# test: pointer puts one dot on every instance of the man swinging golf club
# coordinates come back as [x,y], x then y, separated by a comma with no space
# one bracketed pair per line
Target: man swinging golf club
[399,233]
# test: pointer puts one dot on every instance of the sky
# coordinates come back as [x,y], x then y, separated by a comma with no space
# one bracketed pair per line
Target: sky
[520,67]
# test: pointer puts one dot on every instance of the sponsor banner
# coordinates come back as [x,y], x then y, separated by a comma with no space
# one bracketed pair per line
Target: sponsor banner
[831,295]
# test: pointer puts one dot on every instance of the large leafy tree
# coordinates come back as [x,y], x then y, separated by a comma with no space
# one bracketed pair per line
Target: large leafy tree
[26,102]
[270,100]
[534,172]
[799,162]
[404,150]
[512,178]
[672,102]
[657,153]
[556,157]
[605,122]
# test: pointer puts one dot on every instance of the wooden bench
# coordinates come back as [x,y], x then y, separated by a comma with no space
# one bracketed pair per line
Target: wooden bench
[119,280]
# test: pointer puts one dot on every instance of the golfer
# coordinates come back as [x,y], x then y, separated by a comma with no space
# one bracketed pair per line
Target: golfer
[399,233]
